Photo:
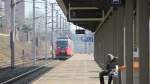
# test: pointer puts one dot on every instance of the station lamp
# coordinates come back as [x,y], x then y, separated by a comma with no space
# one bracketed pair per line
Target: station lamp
[116,3]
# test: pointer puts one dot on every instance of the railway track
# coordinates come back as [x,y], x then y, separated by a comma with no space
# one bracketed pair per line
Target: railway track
[30,75]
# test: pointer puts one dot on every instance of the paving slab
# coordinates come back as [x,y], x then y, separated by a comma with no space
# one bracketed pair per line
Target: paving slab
[79,69]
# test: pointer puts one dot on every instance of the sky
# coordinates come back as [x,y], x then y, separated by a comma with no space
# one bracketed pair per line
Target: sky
[40,8]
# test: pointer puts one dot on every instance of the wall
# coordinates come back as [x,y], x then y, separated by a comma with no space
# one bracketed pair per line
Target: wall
[104,43]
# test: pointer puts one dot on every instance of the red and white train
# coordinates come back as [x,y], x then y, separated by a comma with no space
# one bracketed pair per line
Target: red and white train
[64,48]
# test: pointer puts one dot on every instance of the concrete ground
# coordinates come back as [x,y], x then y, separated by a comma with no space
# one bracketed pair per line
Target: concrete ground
[79,69]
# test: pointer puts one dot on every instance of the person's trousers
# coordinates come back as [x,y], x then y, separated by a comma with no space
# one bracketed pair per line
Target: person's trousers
[104,73]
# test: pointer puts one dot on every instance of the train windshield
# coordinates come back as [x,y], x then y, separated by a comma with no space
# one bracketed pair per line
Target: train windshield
[62,44]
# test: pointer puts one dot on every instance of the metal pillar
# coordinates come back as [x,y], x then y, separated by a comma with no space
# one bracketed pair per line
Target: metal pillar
[52,30]
[60,22]
[143,28]
[68,28]
[85,47]
[129,41]
[114,33]
[120,40]
[63,26]
[34,35]
[115,37]
[12,43]
[46,33]
[57,21]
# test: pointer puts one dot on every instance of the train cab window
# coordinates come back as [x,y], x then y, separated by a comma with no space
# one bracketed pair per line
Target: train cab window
[62,44]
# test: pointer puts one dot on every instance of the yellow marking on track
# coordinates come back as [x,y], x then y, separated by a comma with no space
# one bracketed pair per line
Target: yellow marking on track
[4,35]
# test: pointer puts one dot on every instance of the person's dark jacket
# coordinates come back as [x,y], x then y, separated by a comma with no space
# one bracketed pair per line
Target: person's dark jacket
[111,65]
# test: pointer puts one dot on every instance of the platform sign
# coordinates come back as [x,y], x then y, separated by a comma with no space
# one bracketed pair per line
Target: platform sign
[87,39]
[136,52]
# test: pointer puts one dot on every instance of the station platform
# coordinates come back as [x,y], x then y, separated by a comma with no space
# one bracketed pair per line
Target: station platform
[79,69]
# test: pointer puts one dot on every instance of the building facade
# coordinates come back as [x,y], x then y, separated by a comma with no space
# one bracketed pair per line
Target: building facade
[1,8]
[2,16]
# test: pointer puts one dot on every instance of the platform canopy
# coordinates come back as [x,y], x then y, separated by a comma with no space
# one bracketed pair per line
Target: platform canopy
[86,13]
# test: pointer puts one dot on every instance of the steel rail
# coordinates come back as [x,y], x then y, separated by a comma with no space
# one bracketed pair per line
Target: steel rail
[24,74]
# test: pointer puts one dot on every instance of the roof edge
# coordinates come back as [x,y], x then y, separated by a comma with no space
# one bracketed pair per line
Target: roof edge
[62,6]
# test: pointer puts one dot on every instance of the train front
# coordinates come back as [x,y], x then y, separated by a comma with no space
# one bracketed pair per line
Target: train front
[63,48]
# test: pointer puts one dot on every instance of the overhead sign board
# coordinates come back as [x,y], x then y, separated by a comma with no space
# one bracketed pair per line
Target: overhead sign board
[80,31]
[85,14]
